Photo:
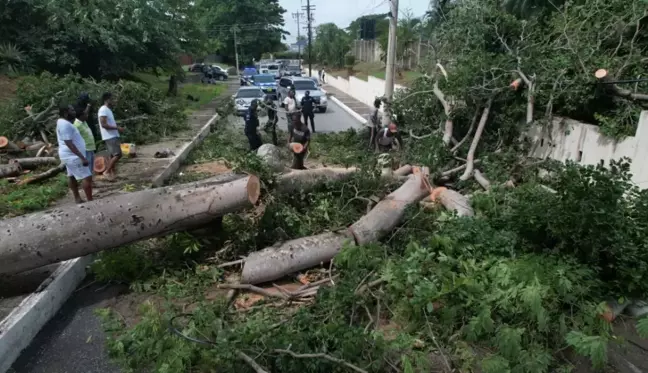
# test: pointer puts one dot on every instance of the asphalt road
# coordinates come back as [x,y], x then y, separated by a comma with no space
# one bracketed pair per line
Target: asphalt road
[73,341]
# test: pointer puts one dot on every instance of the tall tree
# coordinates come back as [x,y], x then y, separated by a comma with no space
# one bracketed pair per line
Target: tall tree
[331,44]
[382,25]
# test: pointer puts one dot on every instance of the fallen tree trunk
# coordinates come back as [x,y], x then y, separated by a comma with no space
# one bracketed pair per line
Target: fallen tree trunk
[277,261]
[8,145]
[39,239]
[308,179]
[453,201]
[10,170]
[32,163]
[43,175]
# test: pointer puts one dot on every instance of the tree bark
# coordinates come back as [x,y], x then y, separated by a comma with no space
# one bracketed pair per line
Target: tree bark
[8,145]
[307,179]
[43,176]
[277,261]
[10,170]
[32,163]
[39,239]
[453,201]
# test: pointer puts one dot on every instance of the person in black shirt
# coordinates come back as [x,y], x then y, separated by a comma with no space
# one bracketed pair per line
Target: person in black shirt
[273,118]
[299,134]
[252,126]
[308,109]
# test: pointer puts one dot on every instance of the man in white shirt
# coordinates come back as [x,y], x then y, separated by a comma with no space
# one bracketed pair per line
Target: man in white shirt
[110,134]
[290,104]
[72,153]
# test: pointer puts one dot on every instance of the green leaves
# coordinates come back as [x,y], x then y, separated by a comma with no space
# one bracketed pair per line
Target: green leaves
[594,347]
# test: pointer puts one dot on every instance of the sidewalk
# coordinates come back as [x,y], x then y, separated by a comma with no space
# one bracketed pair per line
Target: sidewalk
[356,106]
[73,340]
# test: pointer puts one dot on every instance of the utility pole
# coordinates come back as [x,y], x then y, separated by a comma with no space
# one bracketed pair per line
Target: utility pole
[391,58]
[297,16]
[309,16]
[235,30]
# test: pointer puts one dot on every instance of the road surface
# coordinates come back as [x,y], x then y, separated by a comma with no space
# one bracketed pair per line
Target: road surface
[73,341]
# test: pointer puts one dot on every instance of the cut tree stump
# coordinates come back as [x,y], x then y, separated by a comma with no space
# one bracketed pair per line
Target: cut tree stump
[42,238]
[32,163]
[100,164]
[10,170]
[277,261]
[6,144]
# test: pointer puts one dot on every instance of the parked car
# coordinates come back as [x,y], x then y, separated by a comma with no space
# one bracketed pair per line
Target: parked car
[197,68]
[300,86]
[275,70]
[211,75]
[243,98]
[266,82]
[293,70]
[248,72]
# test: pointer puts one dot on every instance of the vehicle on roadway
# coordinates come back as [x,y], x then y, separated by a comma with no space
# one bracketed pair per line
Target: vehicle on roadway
[292,70]
[300,86]
[211,74]
[248,72]
[273,69]
[266,82]
[244,96]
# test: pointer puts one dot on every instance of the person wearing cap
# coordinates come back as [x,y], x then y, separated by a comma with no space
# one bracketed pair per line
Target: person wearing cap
[308,109]
[252,126]
[387,139]
[299,137]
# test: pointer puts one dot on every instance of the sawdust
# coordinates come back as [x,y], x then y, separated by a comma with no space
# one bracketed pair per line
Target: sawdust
[211,168]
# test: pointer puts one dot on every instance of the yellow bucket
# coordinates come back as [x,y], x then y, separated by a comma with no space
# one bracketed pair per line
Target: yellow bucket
[129,150]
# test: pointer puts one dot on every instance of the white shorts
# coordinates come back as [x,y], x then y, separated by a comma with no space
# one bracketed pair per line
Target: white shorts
[76,168]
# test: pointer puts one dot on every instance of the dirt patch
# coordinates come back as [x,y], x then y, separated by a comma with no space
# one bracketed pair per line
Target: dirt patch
[8,87]
[211,168]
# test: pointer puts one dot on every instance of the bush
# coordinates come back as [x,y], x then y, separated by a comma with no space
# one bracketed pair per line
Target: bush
[164,115]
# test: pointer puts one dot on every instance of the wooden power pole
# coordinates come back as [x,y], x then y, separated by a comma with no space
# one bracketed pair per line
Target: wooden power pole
[391,58]
[309,17]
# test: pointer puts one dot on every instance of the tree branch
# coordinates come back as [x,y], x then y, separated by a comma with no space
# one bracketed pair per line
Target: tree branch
[470,129]
[253,364]
[322,356]
[602,76]
[470,164]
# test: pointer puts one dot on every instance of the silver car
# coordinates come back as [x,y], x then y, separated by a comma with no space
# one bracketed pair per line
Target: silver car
[300,86]
[244,97]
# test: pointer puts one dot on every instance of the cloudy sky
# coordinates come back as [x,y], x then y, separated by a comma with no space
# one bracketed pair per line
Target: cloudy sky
[342,12]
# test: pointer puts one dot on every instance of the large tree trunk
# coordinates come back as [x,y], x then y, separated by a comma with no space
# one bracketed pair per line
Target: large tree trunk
[277,261]
[35,240]
[308,179]
[32,163]
[10,170]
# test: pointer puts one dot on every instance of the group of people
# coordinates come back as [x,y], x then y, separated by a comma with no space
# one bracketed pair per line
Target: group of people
[298,132]
[383,138]
[76,142]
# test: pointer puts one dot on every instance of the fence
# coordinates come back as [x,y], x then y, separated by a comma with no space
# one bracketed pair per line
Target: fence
[371,52]
[567,139]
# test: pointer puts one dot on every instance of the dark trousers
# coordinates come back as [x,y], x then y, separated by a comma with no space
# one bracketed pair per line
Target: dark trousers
[254,139]
[271,127]
[309,115]
[298,161]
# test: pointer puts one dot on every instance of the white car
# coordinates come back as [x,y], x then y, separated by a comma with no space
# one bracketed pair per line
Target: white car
[243,98]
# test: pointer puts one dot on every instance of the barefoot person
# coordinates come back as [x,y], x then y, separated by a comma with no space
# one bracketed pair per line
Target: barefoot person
[110,134]
[81,124]
[72,152]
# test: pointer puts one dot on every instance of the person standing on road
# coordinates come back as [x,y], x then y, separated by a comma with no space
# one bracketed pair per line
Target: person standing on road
[290,104]
[308,109]
[81,124]
[300,135]
[72,153]
[110,134]
[252,126]
[273,118]
[323,76]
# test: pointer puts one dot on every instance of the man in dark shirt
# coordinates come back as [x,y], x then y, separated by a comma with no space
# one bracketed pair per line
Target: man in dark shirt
[252,126]
[299,134]
[308,109]
[273,118]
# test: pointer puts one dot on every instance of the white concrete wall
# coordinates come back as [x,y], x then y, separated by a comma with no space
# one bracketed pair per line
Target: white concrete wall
[569,139]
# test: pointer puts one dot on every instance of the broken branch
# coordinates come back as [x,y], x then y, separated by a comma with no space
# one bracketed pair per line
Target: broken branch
[470,164]
[321,356]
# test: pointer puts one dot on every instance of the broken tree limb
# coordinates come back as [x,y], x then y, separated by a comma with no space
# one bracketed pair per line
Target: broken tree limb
[403,170]
[34,240]
[470,129]
[292,256]
[482,180]
[307,179]
[470,159]
[447,109]
[32,163]
[530,84]
[10,170]
[603,77]
[8,145]
[452,201]
[35,146]
[43,175]
[322,356]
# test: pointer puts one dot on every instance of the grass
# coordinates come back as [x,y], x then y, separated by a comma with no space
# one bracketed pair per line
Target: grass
[203,92]
[17,200]
[363,70]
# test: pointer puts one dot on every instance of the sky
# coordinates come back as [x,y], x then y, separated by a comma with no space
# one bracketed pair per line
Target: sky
[343,12]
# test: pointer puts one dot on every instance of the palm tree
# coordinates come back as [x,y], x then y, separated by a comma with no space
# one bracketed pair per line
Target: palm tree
[12,59]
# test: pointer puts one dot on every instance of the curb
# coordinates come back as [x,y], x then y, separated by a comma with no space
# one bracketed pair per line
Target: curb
[19,328]
[349,111]
[175,164]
